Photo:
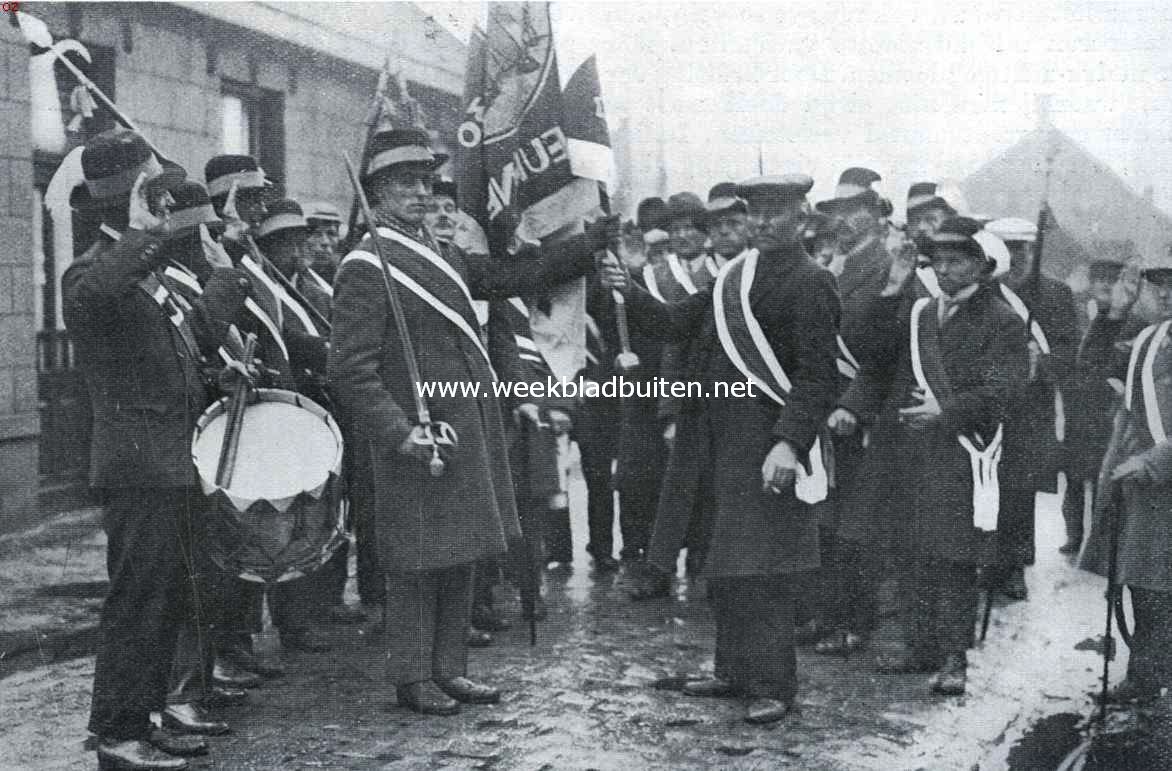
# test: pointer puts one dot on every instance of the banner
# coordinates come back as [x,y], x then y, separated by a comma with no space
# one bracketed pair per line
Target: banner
[531,157]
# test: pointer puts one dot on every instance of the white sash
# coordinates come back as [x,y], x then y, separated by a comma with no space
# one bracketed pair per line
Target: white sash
[252,307]
[429,255]
[652,284]
[986,489]
[1148,381]
[183,276]
[321,282]
[258,273]
[848,365]
[406,281]
[711,265]
[480,308]
[814,486]
[928,278]
[1019,307]
[681,274]
[519,304]
[1129,386]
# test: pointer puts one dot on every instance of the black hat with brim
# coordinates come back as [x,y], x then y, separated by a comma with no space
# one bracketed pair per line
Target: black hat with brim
[960,233]
[837,207]
[401,147]
[192,208]
[283,215]
[111,163]
[444,188]
[683,206]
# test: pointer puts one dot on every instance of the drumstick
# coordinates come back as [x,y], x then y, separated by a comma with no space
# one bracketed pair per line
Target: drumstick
[236,405]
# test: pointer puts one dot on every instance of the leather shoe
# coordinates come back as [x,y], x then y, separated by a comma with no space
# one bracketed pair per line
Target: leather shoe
[219,696]
[1072,545]
[764,710]
[478,638]
[136,754]
[190,719]
[712,687]
[347,614]
[950,680]
[426,698]
[183,745]
[604,563]
[225,674]
[468,692]
[250,662]
[306,639]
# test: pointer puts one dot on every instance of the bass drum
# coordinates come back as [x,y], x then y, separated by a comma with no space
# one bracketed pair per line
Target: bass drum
[281,517]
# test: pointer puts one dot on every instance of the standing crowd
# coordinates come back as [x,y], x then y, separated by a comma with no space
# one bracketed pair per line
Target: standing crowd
[914,386]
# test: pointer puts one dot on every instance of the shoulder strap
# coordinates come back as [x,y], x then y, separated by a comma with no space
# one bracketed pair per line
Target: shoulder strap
[1151,401]
[1019,307]
[651,282]
[917,362]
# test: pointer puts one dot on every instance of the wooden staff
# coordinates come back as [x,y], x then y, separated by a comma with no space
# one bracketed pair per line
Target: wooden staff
[236,407]
[285,283]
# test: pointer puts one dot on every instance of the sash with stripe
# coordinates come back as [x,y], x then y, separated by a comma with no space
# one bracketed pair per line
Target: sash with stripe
[928,368]
[431,279]
[321,282]
[173,305]
[745,344]
[652,284]
[1020,308]
[928,280]
[848,365]
[1140,392]
[274,299]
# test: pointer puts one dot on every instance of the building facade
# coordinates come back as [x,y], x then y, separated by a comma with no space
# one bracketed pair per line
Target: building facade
[290,83]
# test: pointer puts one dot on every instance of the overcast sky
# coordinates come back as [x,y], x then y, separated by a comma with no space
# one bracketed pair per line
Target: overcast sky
[913,90]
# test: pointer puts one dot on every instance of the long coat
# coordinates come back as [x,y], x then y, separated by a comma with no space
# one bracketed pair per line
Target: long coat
[915,491]
[424,522]
[1144,524]
[143,372]
[754,532]
[1033,454]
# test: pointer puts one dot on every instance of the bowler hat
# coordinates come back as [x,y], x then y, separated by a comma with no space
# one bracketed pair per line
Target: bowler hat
[650,214]
[966,234]
[112,161]
[322,211]
[192,208]
[222,170]
[398,147]
[685,206]
[444,188]
[284,214]
[854,191]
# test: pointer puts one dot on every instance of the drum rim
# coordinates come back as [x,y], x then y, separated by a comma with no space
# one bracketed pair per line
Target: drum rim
[255,396]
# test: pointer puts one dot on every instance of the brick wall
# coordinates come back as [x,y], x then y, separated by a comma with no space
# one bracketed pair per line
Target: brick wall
[18,394]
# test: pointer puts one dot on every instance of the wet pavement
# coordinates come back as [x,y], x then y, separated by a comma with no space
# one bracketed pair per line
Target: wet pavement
[584,697]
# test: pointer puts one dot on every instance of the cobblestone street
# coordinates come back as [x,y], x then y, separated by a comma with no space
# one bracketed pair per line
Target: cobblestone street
[585,696]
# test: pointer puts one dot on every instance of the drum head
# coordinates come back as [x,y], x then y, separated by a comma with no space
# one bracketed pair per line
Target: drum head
[288,445]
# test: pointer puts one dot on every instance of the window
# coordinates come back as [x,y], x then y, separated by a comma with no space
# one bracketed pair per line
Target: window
[253,123]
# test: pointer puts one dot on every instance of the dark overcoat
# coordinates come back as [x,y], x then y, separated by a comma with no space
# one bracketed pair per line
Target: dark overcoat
[915,491]
[754,532]
[1033,453]
[424,522]
[144,373]
[1144,521]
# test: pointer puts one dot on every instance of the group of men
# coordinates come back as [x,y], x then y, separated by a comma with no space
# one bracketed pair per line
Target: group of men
[906,403]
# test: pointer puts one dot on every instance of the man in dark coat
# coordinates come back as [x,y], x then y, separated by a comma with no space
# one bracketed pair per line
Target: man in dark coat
[860,265]
[1093,401]
[141,346]
[751,447]
[938,402]
[1035,432]
[430,529]
[324,223]
[1135,495]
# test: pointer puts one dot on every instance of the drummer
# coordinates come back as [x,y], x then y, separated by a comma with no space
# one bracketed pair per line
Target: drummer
[143,369]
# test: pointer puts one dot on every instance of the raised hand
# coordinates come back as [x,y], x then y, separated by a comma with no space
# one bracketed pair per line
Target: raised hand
[144,214]
[1124,293]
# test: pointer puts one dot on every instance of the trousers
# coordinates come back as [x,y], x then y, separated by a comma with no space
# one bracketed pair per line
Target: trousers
[428,613]
[943,608]
[1015,528]
[755,635]
[1150,660]
[152,590]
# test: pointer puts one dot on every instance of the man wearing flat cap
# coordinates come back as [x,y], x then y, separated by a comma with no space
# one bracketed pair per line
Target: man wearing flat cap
[726,224]
[142,347]
[325,223]
[768,320]
[1134,492]
[431,530]
[938,399]
[1035,435]
[861,265]
[1093,401]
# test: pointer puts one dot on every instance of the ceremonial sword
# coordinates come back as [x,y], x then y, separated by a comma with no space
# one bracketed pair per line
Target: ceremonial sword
[435,432]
